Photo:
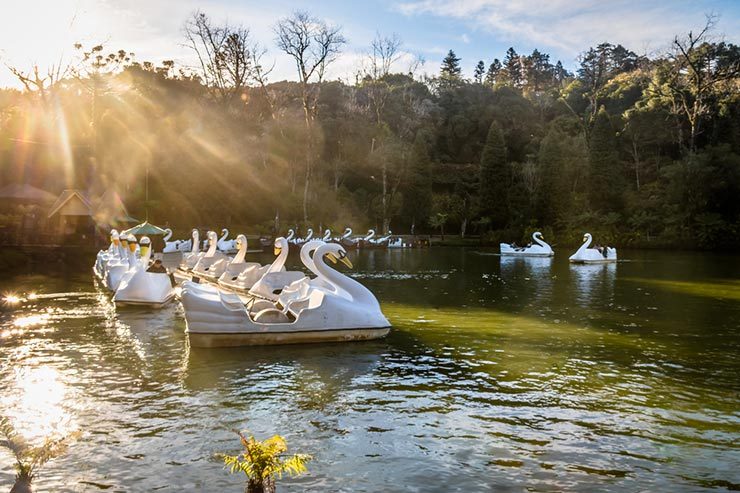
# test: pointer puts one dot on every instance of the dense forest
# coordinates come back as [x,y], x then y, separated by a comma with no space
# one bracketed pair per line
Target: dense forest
[638,150]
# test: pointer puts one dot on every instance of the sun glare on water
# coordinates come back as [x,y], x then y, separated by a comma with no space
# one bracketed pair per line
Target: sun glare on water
[36,404]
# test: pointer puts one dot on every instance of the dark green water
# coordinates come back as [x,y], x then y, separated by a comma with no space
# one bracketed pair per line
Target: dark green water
[499,375]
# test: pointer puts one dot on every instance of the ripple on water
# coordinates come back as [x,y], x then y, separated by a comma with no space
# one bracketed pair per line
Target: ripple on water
[556,378]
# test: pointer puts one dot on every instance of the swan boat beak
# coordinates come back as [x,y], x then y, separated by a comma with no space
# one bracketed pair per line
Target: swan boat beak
[342,258]
[277,251]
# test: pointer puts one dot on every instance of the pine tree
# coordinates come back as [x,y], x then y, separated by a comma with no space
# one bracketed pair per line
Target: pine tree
[417,198]
[480,69]
[560,73]
[451,67]
[493,72]
[512,66]
[540,72]
[556,157]
[606,184]
[495,178]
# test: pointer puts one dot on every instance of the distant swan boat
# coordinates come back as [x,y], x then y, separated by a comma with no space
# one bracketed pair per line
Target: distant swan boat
[586,255]
[538,249]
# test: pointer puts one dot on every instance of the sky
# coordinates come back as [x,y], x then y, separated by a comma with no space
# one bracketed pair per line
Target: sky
[43,32]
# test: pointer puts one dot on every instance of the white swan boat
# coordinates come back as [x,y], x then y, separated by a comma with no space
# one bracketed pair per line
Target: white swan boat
[217,319]
[297,243]
[191,258]
[210,265]
[104,256]
[139,286]
[118,267]
[276,278]
[301,288]
[537,249]
[586,255]
[225,245]
[381,242]
[254,272]
[175,246]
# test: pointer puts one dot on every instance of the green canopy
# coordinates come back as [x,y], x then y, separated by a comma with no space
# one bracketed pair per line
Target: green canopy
[145,229]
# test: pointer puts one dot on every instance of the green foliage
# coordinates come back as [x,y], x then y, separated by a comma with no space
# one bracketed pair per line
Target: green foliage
[29,459]
[417,197]
[606,185]
[495,178]
[264,461]
[655,142]
[450,73]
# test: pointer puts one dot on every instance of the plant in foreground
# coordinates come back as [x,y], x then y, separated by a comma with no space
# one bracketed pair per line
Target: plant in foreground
[29,459]
[264,461]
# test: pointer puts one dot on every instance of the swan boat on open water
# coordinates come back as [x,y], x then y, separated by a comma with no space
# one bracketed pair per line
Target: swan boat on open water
[537,249]
[586,255]
[331,308]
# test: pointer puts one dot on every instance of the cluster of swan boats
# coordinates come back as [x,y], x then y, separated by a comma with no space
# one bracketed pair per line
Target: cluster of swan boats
[347,240]
[231,302]
[539,248]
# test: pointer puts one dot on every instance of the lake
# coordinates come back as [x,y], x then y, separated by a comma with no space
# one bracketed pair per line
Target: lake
[499,374]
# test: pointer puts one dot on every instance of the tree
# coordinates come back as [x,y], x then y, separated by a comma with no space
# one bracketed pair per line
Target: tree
[263,461]
[29,459]
[700,74]
[450,73]
[480,70]
[598,65]
[224,53]
[417,197]
[513,68]
[384,52]
[495,178]
[313,45]
[539,71]
[606,185]
[559,157]
[493,71]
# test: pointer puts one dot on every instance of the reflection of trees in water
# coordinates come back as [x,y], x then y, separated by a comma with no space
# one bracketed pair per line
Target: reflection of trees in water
[593,284]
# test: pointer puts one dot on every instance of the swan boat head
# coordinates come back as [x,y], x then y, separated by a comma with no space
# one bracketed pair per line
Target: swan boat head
[146,250]
[196,241]
[241,249]
[212,243]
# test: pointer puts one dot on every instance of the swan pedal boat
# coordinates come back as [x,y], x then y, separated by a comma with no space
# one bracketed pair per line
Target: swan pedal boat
[586,255]
[113,251]
[332,308]
[140,287]
[538,249]
[201,264]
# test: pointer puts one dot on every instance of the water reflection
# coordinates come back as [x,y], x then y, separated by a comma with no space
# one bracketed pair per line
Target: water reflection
[593,284]
[498,373]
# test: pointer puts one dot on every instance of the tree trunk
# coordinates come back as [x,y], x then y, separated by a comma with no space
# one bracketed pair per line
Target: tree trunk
[253,487]
[636,156]
[22,485]
[268,486]
[463,227]
[385,195]
[305,192]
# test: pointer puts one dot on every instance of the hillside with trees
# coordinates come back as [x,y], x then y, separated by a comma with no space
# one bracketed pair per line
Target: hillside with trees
[641,151]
